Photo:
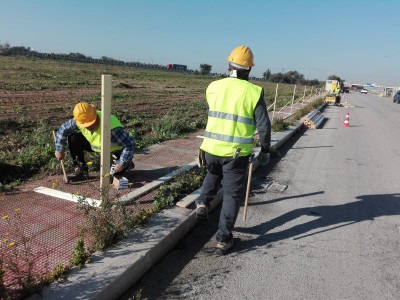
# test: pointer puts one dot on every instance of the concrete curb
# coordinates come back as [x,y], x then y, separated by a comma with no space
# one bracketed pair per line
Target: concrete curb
[113,272]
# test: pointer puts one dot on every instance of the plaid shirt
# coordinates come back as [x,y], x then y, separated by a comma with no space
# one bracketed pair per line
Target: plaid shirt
[118,136]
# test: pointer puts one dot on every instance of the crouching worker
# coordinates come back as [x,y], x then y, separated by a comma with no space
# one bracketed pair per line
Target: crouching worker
[84,134]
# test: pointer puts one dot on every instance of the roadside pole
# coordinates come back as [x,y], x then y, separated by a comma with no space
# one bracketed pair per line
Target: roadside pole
[105,134]
[294,92]
[304,95]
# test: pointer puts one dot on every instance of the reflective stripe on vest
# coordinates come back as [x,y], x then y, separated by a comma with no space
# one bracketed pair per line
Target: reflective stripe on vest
[230,123]
[95,137]
[236,118]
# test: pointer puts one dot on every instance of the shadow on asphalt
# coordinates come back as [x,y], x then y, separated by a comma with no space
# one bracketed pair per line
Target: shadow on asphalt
[367,208]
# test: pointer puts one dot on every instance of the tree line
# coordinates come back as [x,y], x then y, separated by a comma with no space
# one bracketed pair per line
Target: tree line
[291,77]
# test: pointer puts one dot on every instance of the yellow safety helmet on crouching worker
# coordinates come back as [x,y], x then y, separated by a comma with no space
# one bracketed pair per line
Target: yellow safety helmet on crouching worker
[85,114]
[242,55]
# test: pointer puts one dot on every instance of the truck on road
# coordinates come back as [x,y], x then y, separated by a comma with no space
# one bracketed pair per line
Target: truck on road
[177,67]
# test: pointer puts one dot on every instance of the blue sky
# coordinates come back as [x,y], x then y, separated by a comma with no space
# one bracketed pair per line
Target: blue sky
[355,40]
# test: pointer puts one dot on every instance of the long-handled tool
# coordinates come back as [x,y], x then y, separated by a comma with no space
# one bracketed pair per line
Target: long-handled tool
[248,187]
[61,162]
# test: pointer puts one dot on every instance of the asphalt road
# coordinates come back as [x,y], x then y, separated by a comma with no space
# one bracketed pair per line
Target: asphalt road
[333,233]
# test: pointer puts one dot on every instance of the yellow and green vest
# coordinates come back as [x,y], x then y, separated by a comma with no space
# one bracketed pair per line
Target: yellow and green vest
[230,123]
[95,137]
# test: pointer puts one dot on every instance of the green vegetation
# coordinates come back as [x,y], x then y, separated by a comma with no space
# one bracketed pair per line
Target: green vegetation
[183,184]
[280,125]
[106,225]
[80,256]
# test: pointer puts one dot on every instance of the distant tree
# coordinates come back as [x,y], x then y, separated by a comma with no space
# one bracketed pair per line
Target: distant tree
[313,82]
[291,77]
[267,74]
[110,59]
[78,55]
[5,49]
[277,77]
[205,69]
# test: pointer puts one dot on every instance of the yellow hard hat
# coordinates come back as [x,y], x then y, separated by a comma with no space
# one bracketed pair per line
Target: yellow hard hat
[85,114]
[243,56]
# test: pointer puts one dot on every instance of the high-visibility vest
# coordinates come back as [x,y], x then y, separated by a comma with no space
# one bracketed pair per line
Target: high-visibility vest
[337,91]
[230,123]
[95,137]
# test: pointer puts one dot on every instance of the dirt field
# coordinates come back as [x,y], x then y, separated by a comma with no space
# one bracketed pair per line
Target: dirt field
[35,88]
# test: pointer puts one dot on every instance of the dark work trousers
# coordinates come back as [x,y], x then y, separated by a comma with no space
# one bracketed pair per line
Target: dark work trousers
[77,144]
[233,174]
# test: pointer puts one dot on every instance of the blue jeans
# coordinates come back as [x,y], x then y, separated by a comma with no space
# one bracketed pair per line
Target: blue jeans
[233,174]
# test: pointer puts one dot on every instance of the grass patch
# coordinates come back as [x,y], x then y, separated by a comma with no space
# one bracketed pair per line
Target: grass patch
[280,125]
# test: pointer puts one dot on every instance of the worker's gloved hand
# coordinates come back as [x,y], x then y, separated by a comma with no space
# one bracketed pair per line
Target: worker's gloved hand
[112,169]
[263,158]
[116,168]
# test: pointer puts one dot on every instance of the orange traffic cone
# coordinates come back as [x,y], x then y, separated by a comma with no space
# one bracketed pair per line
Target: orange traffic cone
[346,121]
[346,102]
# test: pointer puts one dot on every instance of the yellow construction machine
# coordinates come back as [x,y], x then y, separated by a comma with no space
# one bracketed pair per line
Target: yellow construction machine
[331,98]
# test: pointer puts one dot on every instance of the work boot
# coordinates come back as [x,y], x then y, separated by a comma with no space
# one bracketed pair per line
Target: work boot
[78,175]
[202,211]
[223,247]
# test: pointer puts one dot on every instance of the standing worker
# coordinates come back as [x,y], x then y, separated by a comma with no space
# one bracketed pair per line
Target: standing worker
[236,108]
[337,94]
[84,133]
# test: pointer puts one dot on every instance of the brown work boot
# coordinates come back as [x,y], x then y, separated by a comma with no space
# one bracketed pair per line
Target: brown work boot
[78,175]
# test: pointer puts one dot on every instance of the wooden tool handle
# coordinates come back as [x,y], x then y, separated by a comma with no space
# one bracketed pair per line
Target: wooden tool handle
[247,191]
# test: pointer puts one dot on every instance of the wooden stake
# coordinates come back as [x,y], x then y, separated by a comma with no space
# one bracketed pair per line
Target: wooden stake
[273,112]
[294,92]
[105,134]
[248,188]
[304,95]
